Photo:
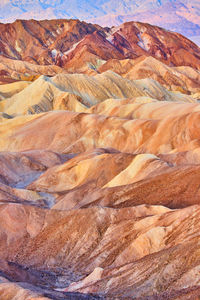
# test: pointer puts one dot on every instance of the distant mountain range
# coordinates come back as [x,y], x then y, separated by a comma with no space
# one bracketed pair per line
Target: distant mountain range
[180,16]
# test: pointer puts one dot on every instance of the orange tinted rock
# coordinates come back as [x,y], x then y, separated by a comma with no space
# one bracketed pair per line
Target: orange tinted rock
[125,240]
[66,43]
[182,79]
[178,187]
[99,173]
[94,168]
[89,131]
[142,279]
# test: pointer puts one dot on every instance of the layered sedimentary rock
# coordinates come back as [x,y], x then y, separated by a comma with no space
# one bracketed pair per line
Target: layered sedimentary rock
[183,79]
[83,47]
[87,131]
[77,92]
[19,70]
[125,240]
[99,172]
[180,16]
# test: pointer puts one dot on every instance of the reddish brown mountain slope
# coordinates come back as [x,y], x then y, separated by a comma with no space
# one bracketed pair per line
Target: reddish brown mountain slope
[67,42]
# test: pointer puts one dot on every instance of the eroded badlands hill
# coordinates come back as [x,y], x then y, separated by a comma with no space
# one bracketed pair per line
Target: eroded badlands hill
[83,47]
[99,172]
[102,193]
